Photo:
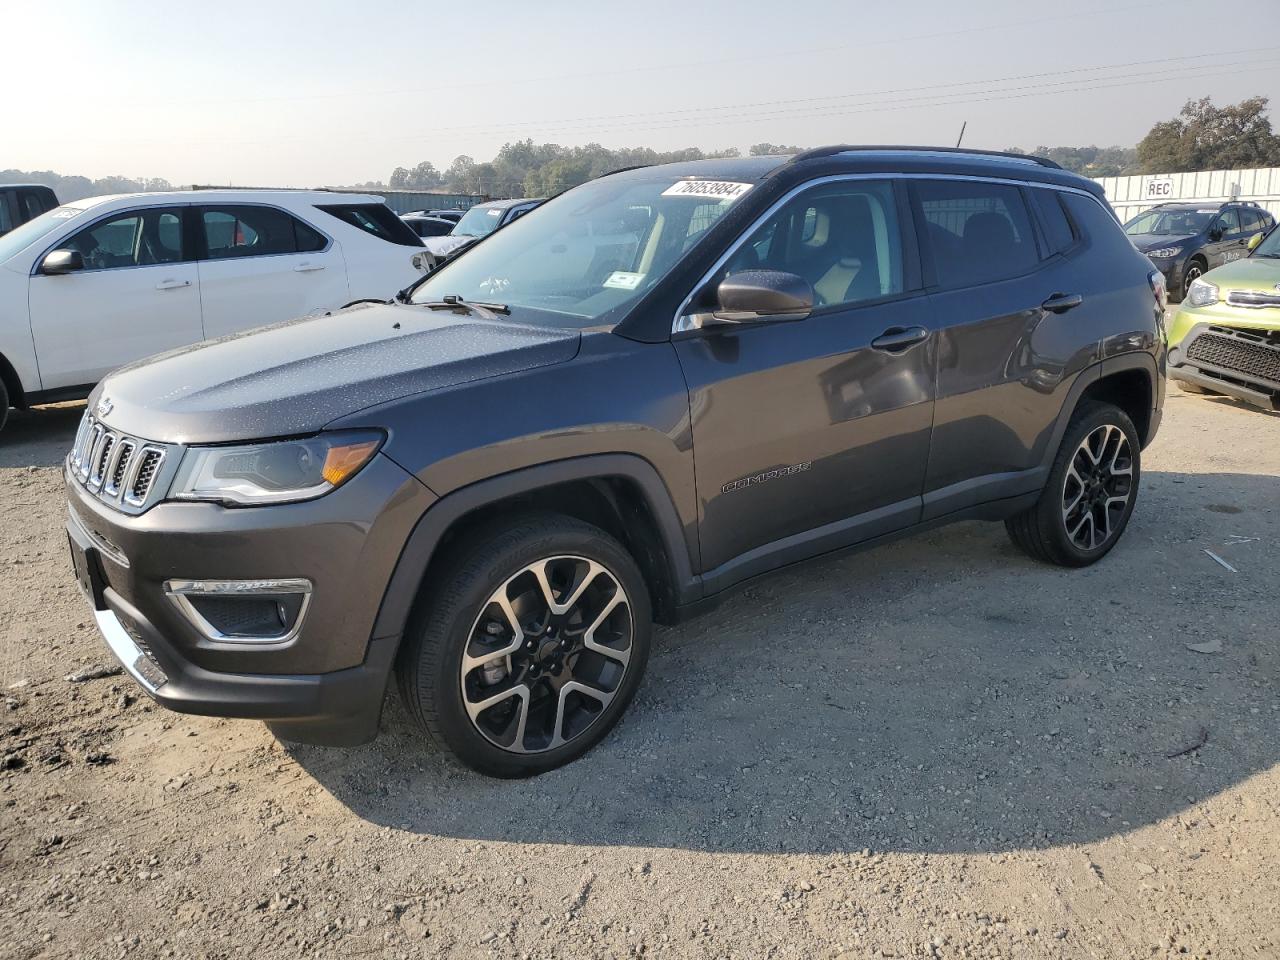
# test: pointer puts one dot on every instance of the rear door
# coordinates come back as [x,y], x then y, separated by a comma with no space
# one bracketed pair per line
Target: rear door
[1014,327]
[138,295]
[260,264]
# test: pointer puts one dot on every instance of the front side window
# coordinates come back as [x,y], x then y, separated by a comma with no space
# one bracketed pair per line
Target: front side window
[1229,223]
[254,231]
[843,238]
[978,232]
[590,252]
[139,238]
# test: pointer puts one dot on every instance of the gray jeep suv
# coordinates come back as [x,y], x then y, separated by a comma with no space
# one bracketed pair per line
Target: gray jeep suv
[652,388]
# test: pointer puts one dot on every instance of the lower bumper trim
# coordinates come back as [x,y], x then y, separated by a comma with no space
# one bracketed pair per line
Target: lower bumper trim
[149,676]
[1197,377]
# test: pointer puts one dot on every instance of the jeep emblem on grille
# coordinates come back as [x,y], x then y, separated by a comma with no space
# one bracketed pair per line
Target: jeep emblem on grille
[105,406]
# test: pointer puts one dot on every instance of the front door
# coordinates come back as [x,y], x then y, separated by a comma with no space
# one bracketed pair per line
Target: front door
[138,295]
[261,265]
[813,434]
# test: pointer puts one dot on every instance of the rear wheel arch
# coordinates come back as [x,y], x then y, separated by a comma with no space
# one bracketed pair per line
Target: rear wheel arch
[12,384]
[621,494]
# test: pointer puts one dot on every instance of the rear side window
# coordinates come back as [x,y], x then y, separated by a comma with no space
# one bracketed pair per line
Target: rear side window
[374,218]
[978,232]
[31,201]
[254,231]
[1057,229]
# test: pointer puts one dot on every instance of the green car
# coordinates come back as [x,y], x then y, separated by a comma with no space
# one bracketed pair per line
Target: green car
[1225,337]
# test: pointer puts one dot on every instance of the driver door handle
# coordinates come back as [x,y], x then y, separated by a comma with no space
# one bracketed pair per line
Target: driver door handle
[1062,302]
[172,284]
[308,267]
[897,339]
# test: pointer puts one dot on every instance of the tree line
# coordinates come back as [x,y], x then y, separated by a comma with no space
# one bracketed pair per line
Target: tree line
[1201,137]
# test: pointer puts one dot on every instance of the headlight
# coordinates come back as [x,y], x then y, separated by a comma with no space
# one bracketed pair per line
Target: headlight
[1202,293]
[1164,253]
[280,471]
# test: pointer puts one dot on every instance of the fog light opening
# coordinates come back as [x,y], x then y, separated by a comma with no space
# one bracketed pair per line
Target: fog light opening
[243,611]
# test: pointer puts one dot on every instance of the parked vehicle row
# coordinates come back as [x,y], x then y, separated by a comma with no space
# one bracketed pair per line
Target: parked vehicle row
[650,389]
[99,283]
[477,223]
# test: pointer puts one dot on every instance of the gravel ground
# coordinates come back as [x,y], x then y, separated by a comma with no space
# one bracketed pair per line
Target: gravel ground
[935,749]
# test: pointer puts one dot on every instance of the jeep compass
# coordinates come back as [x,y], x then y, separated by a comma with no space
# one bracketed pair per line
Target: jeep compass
[650,389]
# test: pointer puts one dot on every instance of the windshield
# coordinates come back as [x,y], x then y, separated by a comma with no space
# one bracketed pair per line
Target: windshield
[21,237]
[1169,223]
[478,222]
[1269,247]
[591,250]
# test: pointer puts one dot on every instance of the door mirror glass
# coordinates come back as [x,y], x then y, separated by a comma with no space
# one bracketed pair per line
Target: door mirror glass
[62,261]
[755,295]
[1215,234]
[1254,241]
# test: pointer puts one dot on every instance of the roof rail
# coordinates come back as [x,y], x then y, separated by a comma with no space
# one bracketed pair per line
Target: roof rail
[831,151]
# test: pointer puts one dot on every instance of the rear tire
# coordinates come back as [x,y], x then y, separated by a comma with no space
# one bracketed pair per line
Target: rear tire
[1090,493]
[530,647]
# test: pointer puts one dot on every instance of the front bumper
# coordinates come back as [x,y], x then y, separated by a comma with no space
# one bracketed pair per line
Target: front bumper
[1235,361]
[325,685]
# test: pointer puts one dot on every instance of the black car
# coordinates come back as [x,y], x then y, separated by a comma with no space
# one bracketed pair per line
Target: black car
[20,202]
[1187,240]
[644,393]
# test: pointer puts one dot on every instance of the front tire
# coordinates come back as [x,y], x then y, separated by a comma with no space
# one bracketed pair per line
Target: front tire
[531,648]
[1090,494]
[1195,270]
[1195,388]
[4,405]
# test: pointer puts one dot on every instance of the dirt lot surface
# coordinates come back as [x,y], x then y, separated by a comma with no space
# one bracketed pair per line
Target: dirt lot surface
[935,749]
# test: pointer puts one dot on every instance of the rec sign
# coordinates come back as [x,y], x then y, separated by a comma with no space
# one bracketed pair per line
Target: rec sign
[1159,188]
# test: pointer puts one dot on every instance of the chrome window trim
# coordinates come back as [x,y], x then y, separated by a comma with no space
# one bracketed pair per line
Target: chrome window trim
[179,591]
[676,323]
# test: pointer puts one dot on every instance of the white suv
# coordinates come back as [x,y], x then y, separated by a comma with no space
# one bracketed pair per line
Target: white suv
[105,281]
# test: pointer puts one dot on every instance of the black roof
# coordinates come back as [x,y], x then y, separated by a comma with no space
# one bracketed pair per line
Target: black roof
[845,158]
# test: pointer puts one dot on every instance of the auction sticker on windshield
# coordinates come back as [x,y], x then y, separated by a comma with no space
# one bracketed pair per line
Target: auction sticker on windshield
[715,189]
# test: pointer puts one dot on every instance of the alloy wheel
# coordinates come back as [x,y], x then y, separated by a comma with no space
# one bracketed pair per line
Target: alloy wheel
[547,654]
[1193,273]
[1098,487]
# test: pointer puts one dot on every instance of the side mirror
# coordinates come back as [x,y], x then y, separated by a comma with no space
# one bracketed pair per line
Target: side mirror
[1215,234]
[756,295]
[1255,240]
[62,261]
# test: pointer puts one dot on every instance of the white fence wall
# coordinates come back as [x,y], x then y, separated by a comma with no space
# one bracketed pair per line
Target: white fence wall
[1129,195]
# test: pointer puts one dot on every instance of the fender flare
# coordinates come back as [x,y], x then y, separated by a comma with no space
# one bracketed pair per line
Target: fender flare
[1087,378]
[403,587]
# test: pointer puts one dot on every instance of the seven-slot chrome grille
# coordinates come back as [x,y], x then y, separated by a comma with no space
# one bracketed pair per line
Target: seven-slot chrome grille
[125,471]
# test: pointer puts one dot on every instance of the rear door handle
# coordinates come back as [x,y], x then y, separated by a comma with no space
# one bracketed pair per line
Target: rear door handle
[897,339]
[308,267]
[172,284]
[1062,302]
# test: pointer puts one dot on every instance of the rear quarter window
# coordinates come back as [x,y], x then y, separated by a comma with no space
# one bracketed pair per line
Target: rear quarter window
[1097,226]
[375,219]
[1057,228]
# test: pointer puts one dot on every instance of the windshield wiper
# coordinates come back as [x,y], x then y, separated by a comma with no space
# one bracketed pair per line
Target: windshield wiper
[457,304]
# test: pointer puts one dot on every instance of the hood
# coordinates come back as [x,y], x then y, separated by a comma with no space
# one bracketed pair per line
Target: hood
[440,246]
[1251,273]
[296,377]
[1154,241]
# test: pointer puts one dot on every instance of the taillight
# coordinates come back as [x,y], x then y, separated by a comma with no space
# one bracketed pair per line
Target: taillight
[1161,293]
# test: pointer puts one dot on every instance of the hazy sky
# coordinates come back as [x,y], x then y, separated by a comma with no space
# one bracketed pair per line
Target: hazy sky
[318,92]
